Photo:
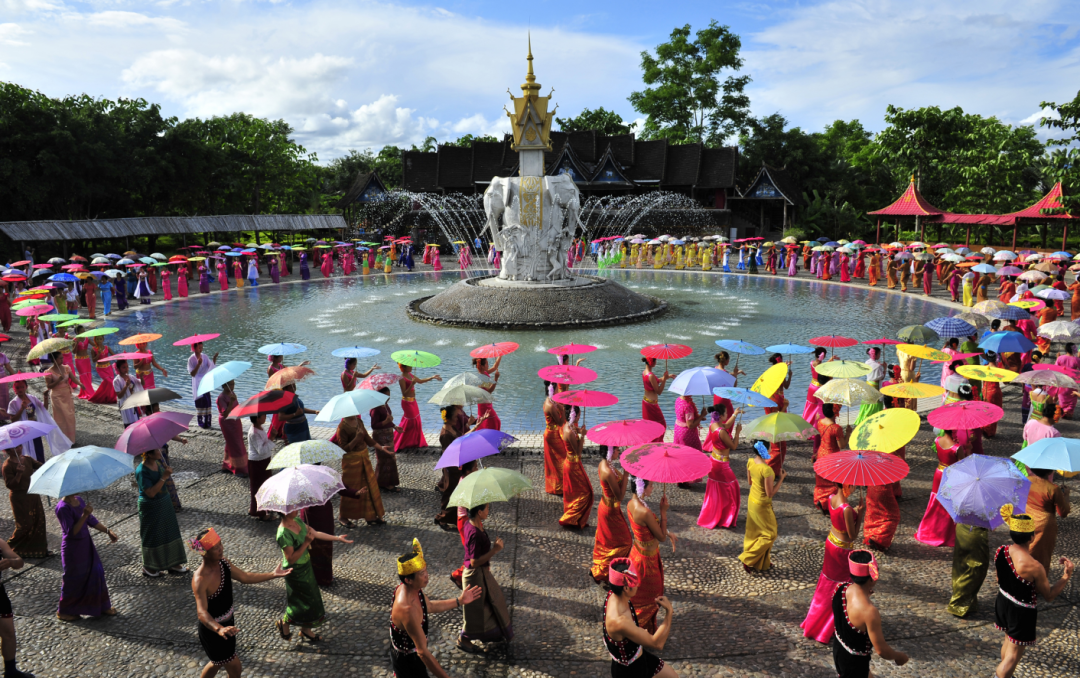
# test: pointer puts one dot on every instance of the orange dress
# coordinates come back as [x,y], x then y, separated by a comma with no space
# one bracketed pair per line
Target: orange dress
[830,435]
[1075,308]
[613,538]
[1045,503]
[554,457]
[577,493]
[645,559]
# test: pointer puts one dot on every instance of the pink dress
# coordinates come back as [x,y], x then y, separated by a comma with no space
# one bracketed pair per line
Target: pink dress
[1065,395]
[84,368]
[819,620]
[166,284]
[181,281]
[685,412]
[812,409]
[937,527]
[223,280]
[720,507]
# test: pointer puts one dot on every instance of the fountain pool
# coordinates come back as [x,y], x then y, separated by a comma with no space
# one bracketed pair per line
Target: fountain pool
[328,314]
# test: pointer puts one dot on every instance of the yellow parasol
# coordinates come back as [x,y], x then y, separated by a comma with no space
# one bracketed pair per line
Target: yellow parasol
[887,431]
[1025,303]
[848,392]
[48,346]
[986,373]
[924,352]
[770,380]
[843,369]
[988,306]
[912,389]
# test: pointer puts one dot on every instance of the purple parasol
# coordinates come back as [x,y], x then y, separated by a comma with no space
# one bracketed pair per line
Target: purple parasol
[473,446]
[153,432]
[21,432]
[974,489]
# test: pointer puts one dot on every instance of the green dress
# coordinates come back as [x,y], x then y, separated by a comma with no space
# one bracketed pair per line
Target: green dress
[971,560]
[162,545]
[304,605]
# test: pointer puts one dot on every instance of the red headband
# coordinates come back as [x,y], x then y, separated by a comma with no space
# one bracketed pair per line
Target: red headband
[629,577]
[863,569]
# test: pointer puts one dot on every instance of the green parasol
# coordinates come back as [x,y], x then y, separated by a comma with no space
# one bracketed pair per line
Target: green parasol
[77,321]
[488,485]
[29,302]
[416,358]
[844,369]
[99,332]
[306,452]
[57,317]
[779,427]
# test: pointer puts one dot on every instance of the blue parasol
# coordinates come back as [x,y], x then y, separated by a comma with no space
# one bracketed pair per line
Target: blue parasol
[743,396]
[1061,454]
[355,352]
[282,349]
[700,381]
[1007,342]
[947,327]
[80,469]
[974,489]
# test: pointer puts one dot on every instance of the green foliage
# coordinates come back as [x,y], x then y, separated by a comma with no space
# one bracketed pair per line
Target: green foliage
[467,140]
[1065,159]
[825,215]
[601,120]
[688,99]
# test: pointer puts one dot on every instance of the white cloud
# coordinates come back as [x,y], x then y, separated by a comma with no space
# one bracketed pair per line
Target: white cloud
[9,7]
[10,34]
[118,19]
[1034,118]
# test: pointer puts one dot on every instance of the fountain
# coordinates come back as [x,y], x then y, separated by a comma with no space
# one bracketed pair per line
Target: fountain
[532,220]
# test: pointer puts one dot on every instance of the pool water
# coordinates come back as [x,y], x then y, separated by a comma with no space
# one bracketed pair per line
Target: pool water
[328,314]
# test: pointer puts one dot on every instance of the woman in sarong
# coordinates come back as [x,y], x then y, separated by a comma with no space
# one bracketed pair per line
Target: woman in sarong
[833,439]
[182,281]
[971,560]
[890,274]
[1067,396]
[303,599]
[874,378]
[273,268]
[485,412]
[235,458]
[238,273]
[411,432]
[844,528]
[650,408]
[844,276]
[83,367]
[90,292]
[57,379]
[648,533]
[720,507]
[223,278]
[761,527]
[1046,501]
[166,283]
[487,618]
[577,488]
[991,393]
[144,367]
[29,539]
[305,270]
[260,450]
[327,266]
[104,394]
[356,473]
[83,591]
[159,532]
[253,272]
[812,409]
[613,538]
[927,278]
[105,287]
[554,446]
[687,422]
[382,431]
[204,279]
[937,527]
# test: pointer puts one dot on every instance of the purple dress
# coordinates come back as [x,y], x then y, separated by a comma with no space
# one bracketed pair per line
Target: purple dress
[274,271]
[204,280]
[82,585]
[305,272]
[685,411]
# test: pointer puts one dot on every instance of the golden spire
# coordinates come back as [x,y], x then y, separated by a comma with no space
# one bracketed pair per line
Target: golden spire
[530,86]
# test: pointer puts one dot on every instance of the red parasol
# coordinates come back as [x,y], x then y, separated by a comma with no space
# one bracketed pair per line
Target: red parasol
[21,263]
[626,432]
[666,351]
[4,337]
[567,374]
[666,462]
[572,349]
[195,339]
[126,356]
[42,266]
[862,468]
[833,341]
[585,398]
[965,416]
[494,350]
[13,278]
[264,402]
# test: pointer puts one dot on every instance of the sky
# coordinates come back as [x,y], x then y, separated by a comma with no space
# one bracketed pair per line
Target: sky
[361,74]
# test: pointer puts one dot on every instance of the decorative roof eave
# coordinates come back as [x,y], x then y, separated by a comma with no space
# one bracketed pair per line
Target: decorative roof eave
[360,186]
[910,204]
[567,153]
[602,162]
[1051,200]
[764,171]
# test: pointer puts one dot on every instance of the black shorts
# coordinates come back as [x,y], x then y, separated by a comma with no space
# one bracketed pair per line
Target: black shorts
[1018,623]
[407,664]
[849,665]
[220,651]
[5,604]
[646,666]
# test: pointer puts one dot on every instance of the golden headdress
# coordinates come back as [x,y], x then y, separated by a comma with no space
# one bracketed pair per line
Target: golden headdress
[414,564]
[1017,522]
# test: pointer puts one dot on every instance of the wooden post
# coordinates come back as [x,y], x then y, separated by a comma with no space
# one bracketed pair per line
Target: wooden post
[1064,234]
[877,238]
[967,240]
[1015,226]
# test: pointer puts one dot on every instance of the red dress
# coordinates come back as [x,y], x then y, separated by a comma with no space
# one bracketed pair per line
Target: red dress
[645,559]
[652,411]
[412,431]
[834,570]
[577,493]
[830,435]
[105,394]
[554,458]
[937,527]
[613,538]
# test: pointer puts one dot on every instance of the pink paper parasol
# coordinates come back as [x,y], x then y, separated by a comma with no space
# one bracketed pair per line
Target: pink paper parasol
[883,342]
[494,350]
[567,374]
[152,432]
[126,356]
[625,432]
[22,376]
[862,468]
[965,416]
[42,266]
[666,462]
[666,351]
[585,398]
[379,380]
[34,310]
[572,349]
[1075,374]
[195,339]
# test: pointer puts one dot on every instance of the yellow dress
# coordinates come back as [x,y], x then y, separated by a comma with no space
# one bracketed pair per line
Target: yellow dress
[706,261]
[761,529]
[658,259]
[679,259]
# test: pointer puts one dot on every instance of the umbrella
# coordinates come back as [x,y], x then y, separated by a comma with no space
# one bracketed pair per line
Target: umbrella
[912,389]
[843,369]
[13,435]
[473,446]
[586,398]
[351,404]
[352,352]
[700,381]
[461,394]
[666,462]
[918,334]
[743,396]
[788,349]
[195,339]
[925,353]
[779,427]
[151,396]
[298,487]
[79,470]
[985,307]
[306,452]
[467,378]
[571,349]
[967,415]
[567,374]
[740,347]
[974,489]
[21,376]
[1029,305]
[97,332]
[1046,378]
[886,431]
[76,322]
[152,432]
[1032,276]
[984,268]
[1055,453]
[861,467]
[144,338]
[1055,295]
[282,349]
[58,317]
[63,277]
[986,373]
[378,381]
[125,356]
[1007,342]
[666,351]
[848,392]
[625,432]
[488,485]
[1010,313]
[1004,255]
[34,310]
[1009,270]
[264,402]
[288,375]
[978,320]
[416,358]
[221,375]
[48,346]
[770,380]
[951,327]
[494,350]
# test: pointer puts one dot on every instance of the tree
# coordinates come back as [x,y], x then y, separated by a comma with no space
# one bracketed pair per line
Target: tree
[601,120]
[466,141]
[1065,159]
[766,141]
[686,100]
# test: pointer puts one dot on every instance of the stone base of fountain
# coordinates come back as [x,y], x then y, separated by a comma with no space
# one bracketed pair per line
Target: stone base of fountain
[583,301]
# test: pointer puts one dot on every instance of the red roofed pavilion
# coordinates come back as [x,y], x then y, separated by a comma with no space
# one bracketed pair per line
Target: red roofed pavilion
[910,204]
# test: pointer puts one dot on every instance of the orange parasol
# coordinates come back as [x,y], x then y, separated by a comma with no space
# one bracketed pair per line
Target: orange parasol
[288,375]
[144,338]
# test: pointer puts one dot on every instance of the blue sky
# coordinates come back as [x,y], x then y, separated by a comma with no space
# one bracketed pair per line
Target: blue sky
[361,74]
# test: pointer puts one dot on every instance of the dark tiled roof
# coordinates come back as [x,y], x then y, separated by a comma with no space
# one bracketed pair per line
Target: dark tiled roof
[683,161]
[787,185]
[650,160]
[420,171]
[585,144]
[357,187]
[486,160]
[455,167]
[622,147]
[718,167]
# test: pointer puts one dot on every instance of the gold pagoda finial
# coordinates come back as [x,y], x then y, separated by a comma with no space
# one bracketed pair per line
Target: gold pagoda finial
[530,87]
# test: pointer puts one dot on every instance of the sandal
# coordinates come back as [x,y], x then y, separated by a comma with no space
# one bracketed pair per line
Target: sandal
[311,639]
[178,569]
[148,573]
[347,523]
[68,617]
[111,612]
[466,646]
[280,626]
[377,521]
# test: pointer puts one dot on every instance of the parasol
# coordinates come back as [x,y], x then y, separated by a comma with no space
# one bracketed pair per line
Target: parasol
[378,381]
[221,375]
[263,402]
[351,404]
[282,349]
[917,334]
[48,346]
[966,415]
[416,358]
[843,369]
[986,373]
[625,432]
[912,389]
[567,374]
[950,327]
[80,469]
[1055,453]
[571,349]
[586,398]
[885,431]
[1046,378]
[700,381]
[848,392]
[488,485]
[288,375]
[472,446]
[148,397]
[494,350]
[306,452]
[666,462]
[461,394]
[974,489]
[152,432]
[924,353]
[863,468]
[144,338]
[298,488]
[743,396]
[354,352]
[1060,330]
[779,427]
[770,380]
